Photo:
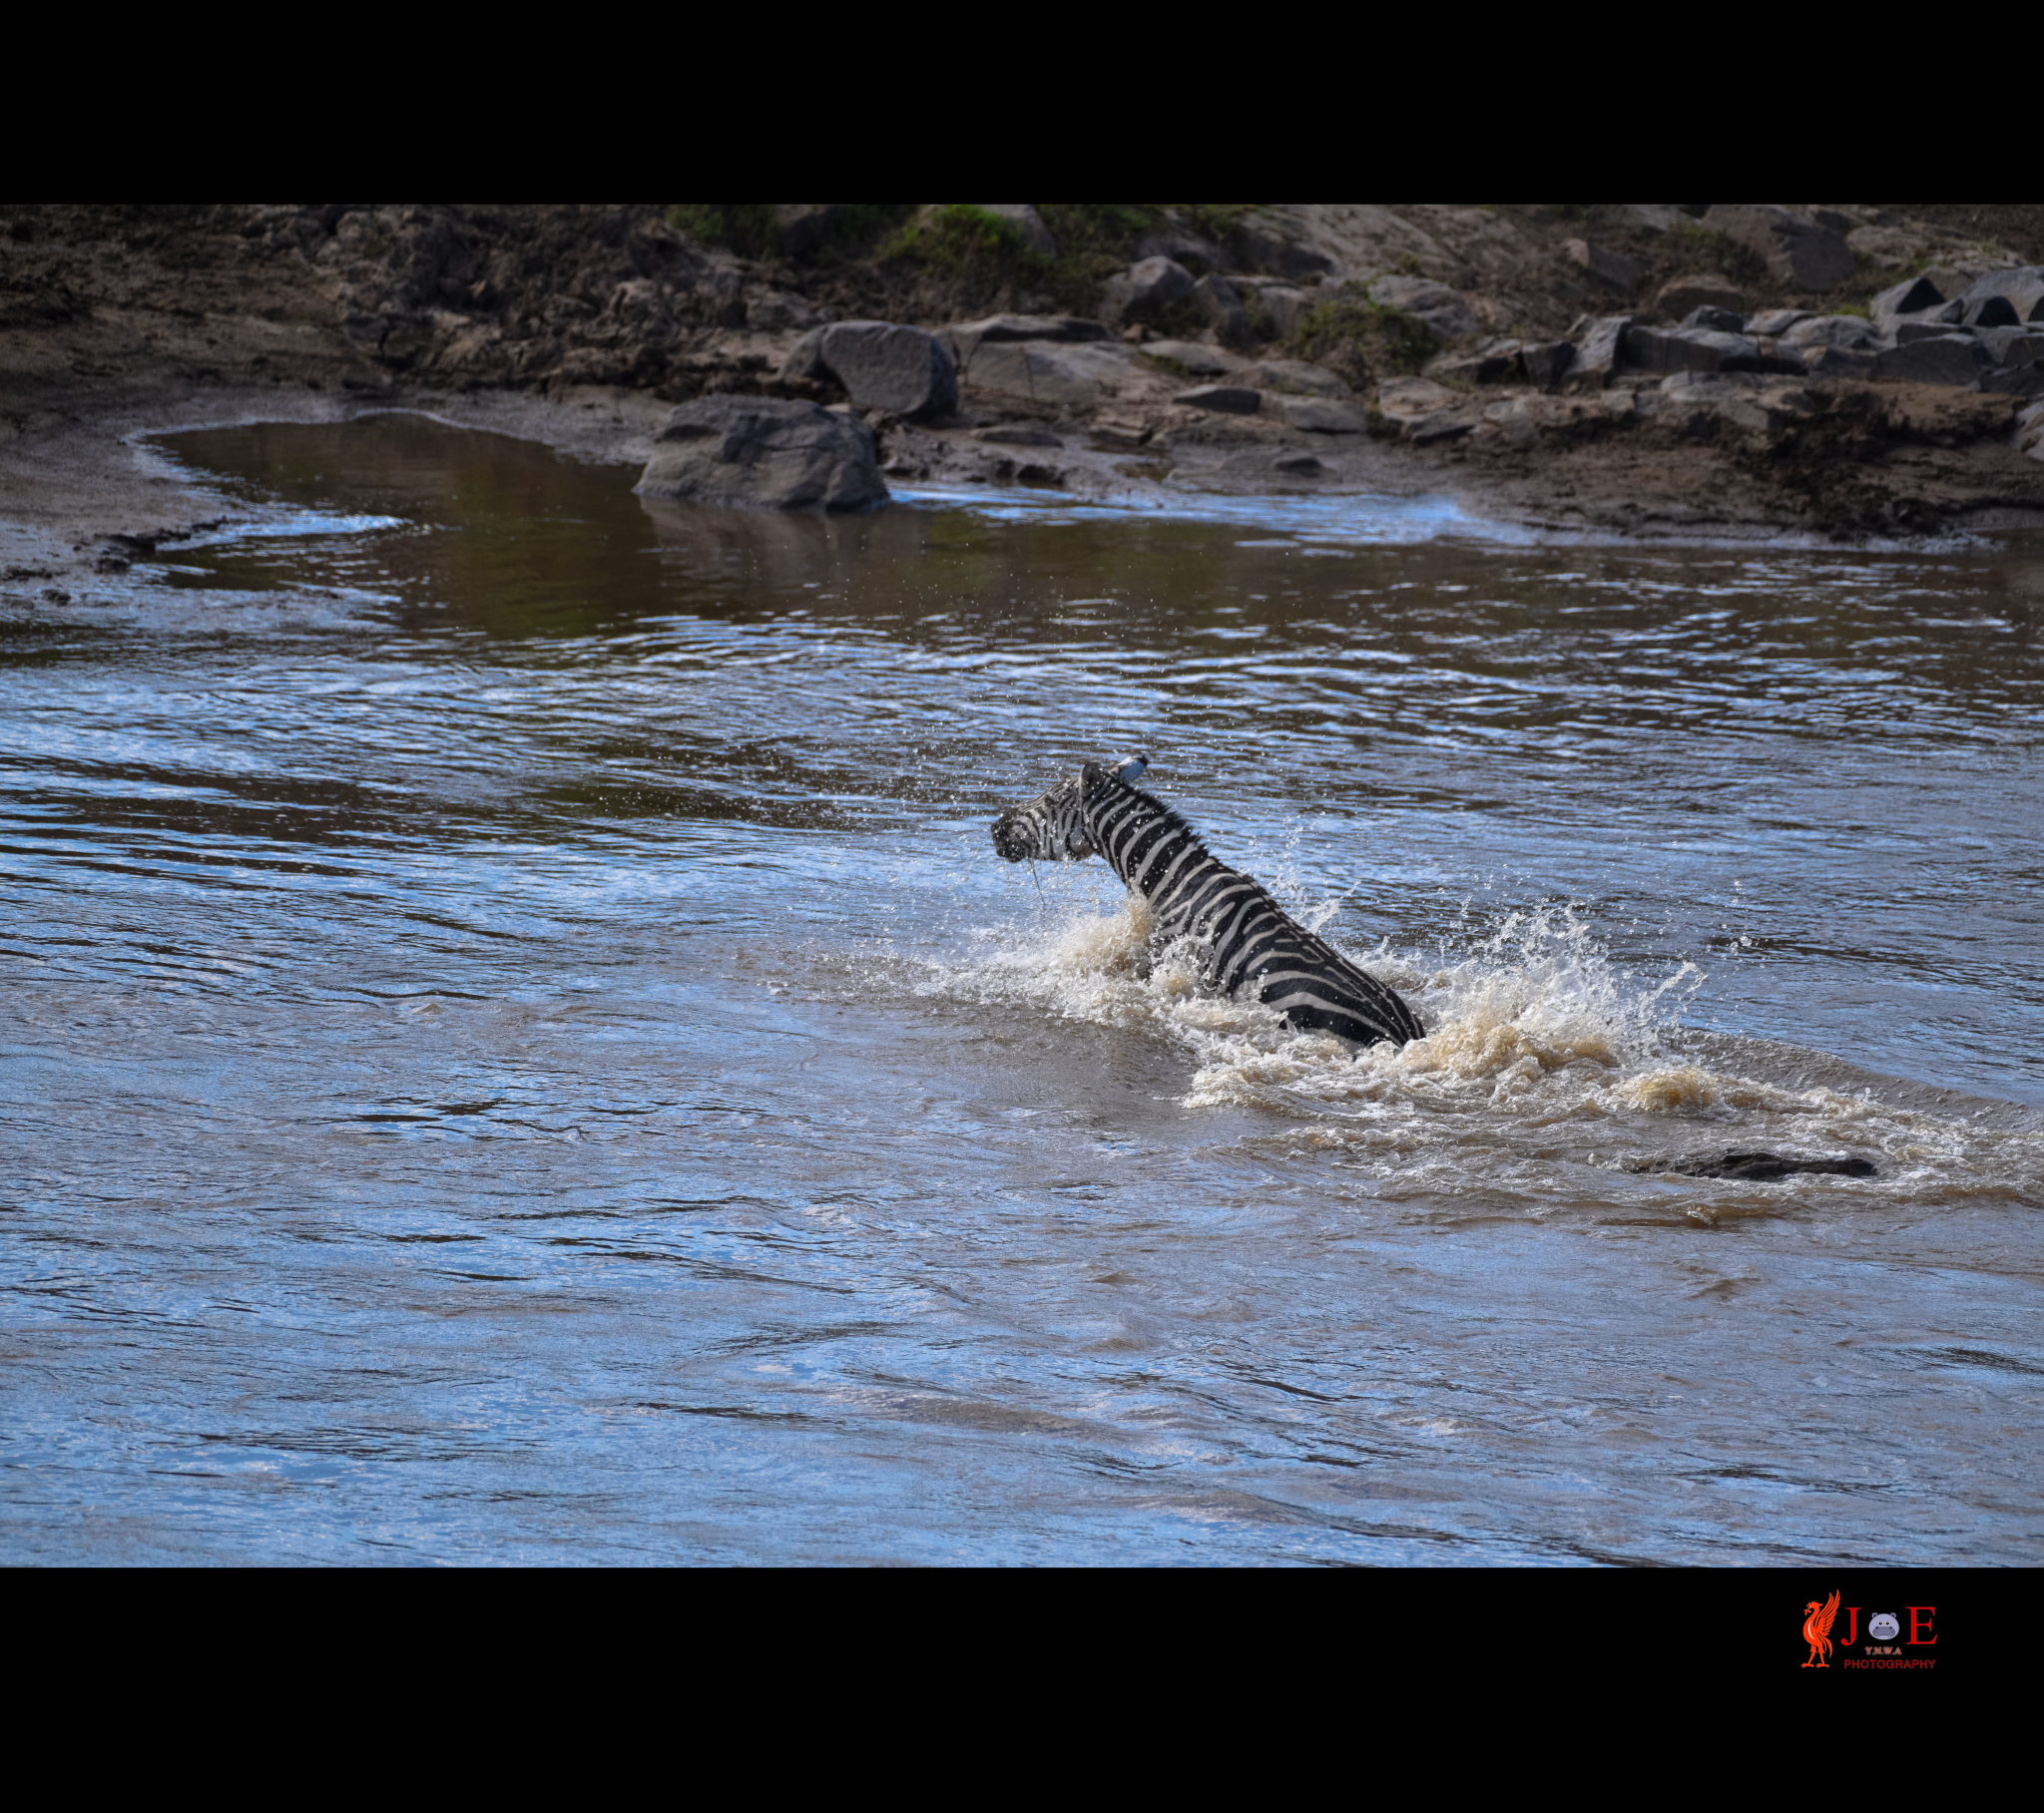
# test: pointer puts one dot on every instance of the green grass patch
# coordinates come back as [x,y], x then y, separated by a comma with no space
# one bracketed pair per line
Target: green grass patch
[958,237]
[1216,221]
[750,228]
[754,230]
[1362,340]
[1100,230]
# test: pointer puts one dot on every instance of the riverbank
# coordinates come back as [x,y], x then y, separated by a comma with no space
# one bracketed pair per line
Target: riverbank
[1629,372]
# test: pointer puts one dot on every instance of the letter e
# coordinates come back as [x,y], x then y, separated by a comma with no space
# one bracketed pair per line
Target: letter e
[1916,1623]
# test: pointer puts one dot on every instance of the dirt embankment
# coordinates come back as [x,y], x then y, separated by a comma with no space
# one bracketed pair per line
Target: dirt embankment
[1380,347]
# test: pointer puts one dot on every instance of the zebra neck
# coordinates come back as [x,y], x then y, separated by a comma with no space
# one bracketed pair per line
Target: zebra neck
[1144,841]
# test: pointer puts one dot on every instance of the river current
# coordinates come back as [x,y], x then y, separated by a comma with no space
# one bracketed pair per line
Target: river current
[519,1047]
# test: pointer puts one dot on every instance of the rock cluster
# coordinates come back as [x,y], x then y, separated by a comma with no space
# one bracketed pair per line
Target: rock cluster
[1988,335]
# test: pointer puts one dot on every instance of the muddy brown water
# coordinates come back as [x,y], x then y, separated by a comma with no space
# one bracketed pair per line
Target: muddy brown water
[519,1047]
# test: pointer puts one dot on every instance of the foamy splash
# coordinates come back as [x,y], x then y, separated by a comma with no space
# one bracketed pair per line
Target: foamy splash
[1532,1028]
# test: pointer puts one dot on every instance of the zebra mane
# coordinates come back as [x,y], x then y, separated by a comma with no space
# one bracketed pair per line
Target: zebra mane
[1169,816]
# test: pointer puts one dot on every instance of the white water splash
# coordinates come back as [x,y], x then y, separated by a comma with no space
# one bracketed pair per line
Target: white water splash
[1531,1028]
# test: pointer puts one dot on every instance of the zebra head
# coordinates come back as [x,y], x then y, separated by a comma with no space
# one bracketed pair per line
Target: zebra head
[1052,828]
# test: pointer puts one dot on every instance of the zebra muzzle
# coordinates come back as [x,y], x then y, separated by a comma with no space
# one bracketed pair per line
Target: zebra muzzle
[1012,838]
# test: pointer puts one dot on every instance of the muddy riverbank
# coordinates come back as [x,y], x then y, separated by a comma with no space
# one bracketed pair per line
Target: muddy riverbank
[1381,350]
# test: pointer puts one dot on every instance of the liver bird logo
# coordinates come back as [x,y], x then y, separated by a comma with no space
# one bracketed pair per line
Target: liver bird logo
[1816,1630]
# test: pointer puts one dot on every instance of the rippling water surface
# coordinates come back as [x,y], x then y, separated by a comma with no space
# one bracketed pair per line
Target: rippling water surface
[519,1047]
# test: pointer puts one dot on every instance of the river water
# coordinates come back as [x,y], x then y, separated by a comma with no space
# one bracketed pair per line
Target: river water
[518,1047]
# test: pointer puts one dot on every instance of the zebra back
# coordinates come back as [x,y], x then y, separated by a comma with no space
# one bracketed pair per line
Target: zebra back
[1251,940]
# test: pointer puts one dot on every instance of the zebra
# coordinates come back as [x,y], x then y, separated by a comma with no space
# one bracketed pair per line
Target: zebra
[1101,812]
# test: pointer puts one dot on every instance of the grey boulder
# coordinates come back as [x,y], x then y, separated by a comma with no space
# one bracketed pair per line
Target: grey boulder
[1911,299]
[1214,297]
[2004,298]
[903,370]
[806,357]
[1146,288]
[1690,349]
[1599,341]
[761,453]
[1272,245]
[1798,250]
[1050,374]
[1546,363]
[1952,358]
[1836,362]
[1843,330]
[1932,326]
[1441,309]
[2015,380]
[1317,414]
[2013,345]
[1718,320]
[1610,267]
[1285,303]
[1181,247]
[1648,219]
[1773,322]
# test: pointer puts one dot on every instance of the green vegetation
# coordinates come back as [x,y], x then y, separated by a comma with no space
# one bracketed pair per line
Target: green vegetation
[1363,341]
[960,238]
[1094,239]
[1263,328]
[1216,221]
[758,230]
[973,246]
[1104,233]
[750,228]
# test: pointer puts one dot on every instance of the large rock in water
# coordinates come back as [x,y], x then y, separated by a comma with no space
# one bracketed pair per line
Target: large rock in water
[758,453]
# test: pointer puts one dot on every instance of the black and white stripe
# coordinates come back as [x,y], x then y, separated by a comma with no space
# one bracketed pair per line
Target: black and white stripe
[1252,941]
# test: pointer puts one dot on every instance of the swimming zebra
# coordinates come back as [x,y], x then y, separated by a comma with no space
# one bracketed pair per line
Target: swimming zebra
[1101,812]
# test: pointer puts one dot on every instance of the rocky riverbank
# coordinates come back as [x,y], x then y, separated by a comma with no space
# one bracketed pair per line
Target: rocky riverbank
[1845,372]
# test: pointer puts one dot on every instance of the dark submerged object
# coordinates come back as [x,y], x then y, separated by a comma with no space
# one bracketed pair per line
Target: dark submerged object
[1759,1167]
[1252,943]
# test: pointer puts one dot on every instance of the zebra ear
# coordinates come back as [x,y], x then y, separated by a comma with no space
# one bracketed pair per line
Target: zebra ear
[1089,775]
